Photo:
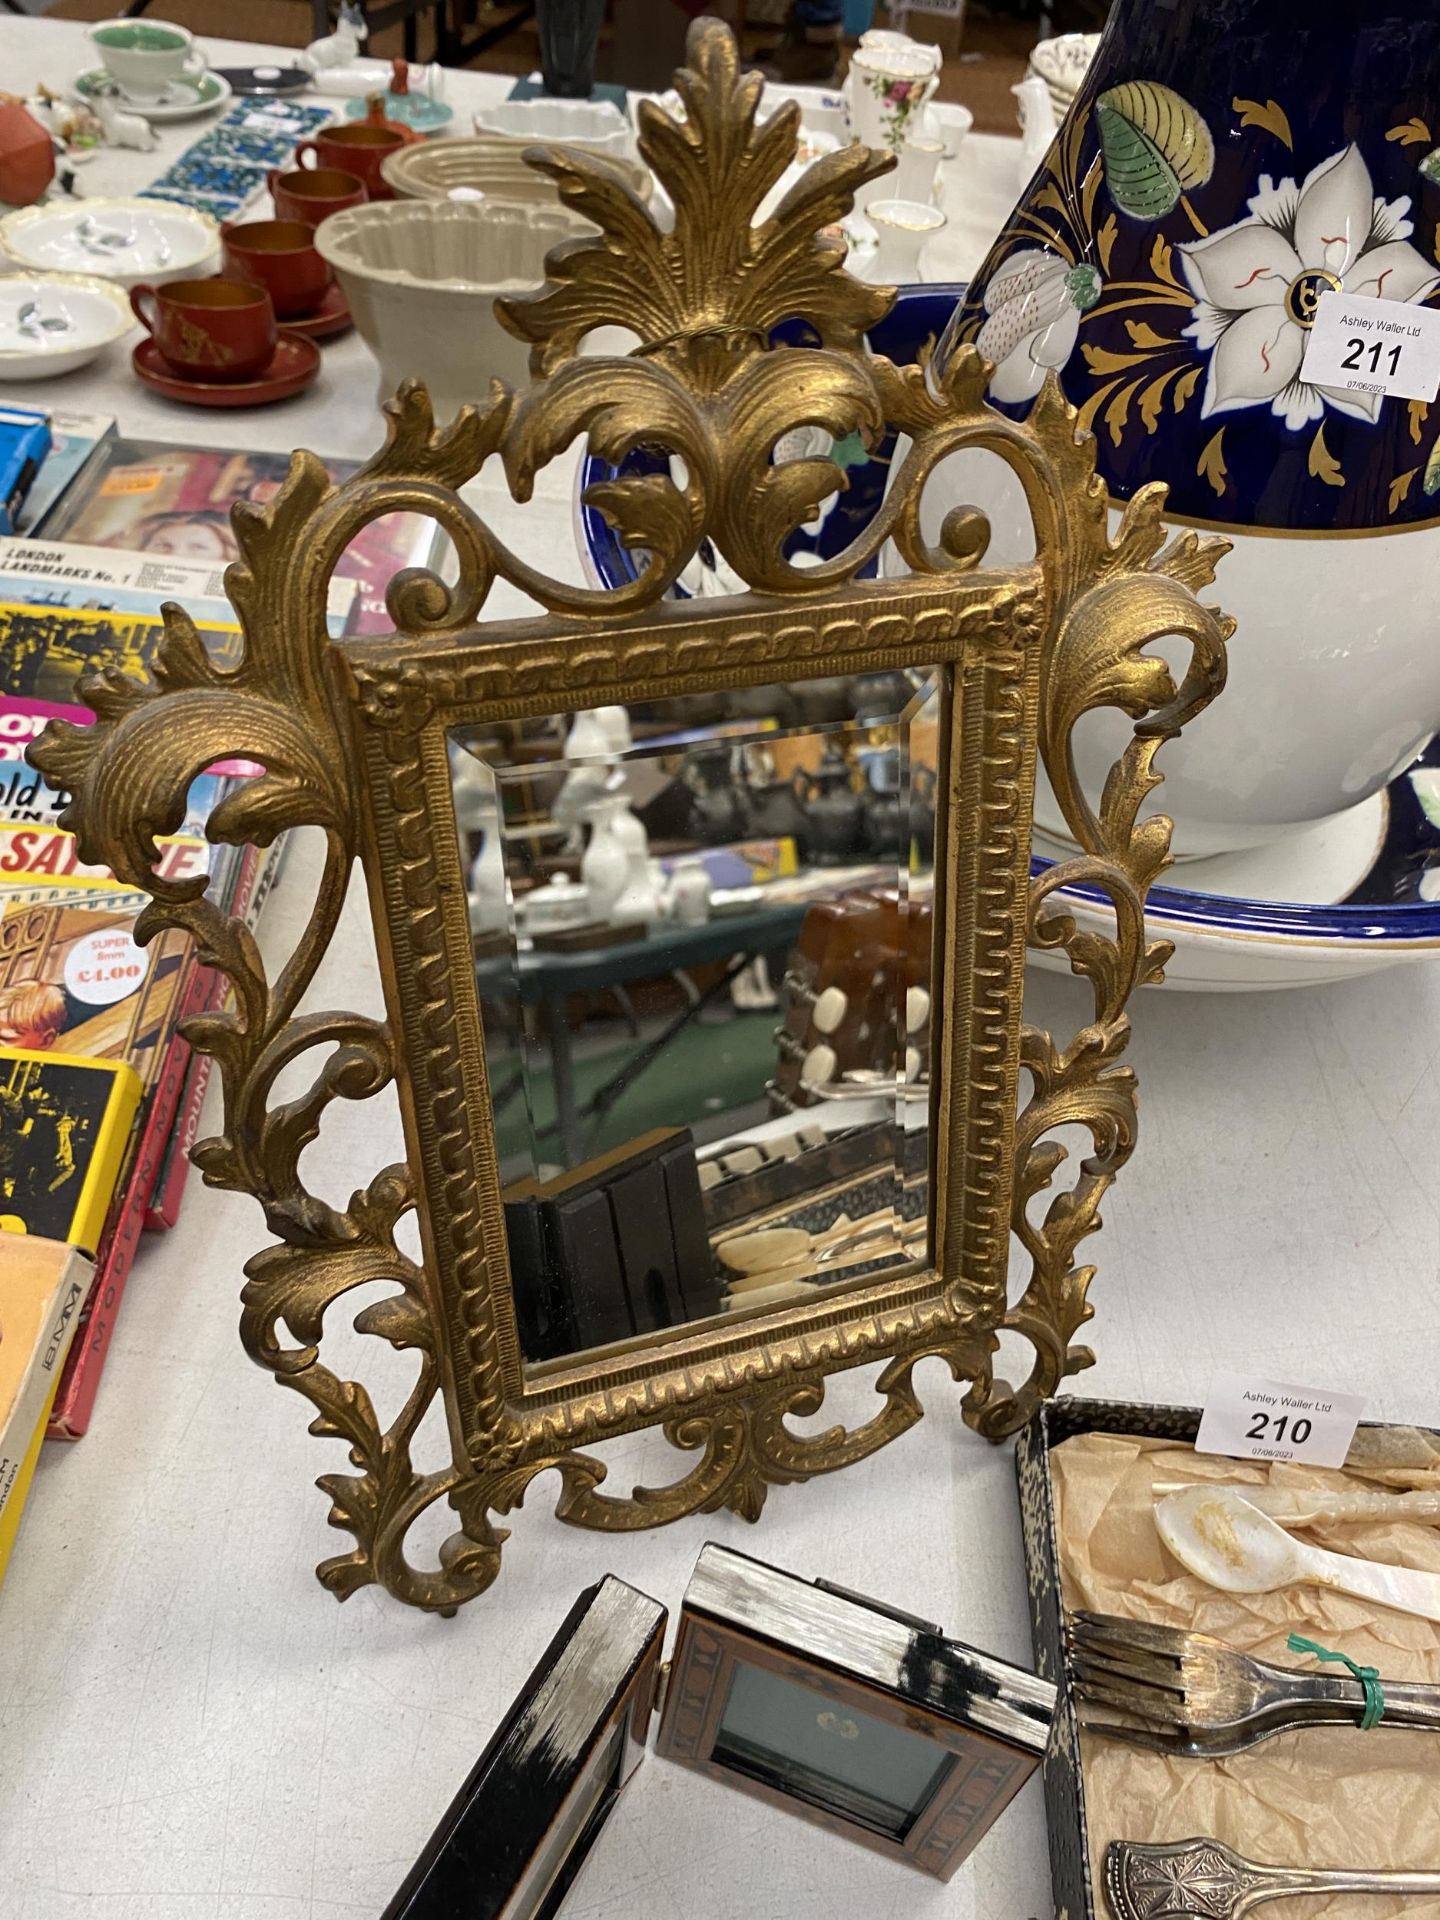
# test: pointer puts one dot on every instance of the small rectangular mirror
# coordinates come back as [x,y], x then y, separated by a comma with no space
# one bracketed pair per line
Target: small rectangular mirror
[702,934]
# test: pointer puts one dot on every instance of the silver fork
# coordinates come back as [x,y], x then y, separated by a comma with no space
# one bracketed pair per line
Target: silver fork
[1192,1694]
[1203,1880]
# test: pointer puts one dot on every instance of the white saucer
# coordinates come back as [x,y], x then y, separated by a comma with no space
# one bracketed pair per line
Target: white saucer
[54,322]
[183,98]
[126,241]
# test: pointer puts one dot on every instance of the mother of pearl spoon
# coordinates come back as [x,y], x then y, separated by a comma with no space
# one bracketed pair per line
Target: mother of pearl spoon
[1222,1539]
[1314,1506]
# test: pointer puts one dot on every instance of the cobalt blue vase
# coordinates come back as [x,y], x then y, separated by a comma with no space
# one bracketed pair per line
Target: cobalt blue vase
[1225,165]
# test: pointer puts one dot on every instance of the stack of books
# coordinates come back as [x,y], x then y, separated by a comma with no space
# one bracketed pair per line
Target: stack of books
[111,529]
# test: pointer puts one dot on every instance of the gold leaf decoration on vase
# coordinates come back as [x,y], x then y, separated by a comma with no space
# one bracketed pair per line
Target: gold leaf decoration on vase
[1185,386]
[1105,240]
[1163,267]
[1271,116]
[1152,399]
[1144,335]
[1412,133]
[1211,464]
[1400,487]
[1417,411]
[1322,463]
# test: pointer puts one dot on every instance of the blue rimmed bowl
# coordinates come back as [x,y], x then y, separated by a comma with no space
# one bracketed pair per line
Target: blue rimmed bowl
[1370,886]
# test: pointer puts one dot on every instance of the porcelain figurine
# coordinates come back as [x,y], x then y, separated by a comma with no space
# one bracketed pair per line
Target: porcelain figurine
[124,129]
[1225,166]
[342,47]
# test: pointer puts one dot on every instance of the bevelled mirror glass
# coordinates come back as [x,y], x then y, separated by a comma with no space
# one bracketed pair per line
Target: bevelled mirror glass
[702,933]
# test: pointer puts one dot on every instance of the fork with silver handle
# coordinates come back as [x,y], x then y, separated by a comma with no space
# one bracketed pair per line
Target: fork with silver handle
[1190,1695]
[1203,1880]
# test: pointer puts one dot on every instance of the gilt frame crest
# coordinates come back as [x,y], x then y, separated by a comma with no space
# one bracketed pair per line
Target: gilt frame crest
[351,737]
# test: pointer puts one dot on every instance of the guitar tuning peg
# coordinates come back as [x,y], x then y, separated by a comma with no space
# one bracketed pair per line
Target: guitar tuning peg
[830,1009]
[917,1008]
[819,1065]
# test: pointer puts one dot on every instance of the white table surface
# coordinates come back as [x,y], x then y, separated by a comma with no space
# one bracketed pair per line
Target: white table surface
[192,1729]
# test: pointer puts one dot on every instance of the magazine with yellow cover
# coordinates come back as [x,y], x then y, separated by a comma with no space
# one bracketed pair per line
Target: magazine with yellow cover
[43,1286]
[64,1130]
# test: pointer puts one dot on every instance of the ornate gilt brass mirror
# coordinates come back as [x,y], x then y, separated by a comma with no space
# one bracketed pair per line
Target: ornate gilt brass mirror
[791,1203]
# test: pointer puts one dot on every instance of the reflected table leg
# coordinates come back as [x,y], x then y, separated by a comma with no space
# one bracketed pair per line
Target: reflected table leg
[562,1069]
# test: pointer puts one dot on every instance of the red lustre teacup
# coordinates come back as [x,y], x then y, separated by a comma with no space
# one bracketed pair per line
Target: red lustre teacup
[359,148]
[279,255]
[314,196]
[215,329]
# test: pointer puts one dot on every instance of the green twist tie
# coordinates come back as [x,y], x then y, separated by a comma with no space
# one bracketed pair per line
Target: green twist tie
[1369,1678]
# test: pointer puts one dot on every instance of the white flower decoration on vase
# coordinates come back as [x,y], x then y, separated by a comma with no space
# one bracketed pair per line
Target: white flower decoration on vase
[1034,302]
[1259,282]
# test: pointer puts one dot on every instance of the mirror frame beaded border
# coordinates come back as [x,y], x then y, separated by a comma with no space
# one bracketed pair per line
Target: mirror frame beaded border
[351,739]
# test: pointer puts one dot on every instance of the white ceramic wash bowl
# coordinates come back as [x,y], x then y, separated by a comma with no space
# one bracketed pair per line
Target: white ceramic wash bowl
[597,124]
[1350,896]
[126,241]
[420,278]
[54,322]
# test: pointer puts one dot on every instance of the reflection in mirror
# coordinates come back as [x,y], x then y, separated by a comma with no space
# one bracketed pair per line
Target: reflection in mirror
[702,934]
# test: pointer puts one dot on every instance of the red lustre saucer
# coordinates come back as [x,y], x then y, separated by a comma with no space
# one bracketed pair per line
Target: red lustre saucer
[293,365]
[332,316]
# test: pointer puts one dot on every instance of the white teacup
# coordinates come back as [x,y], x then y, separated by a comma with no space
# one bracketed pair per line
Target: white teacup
[886,91]
[144,57]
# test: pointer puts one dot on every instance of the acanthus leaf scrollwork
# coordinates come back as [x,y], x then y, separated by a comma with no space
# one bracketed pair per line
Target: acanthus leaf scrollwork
[709,385]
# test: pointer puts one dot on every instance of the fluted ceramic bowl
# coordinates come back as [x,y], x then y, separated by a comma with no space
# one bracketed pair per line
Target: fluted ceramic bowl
[421,278]
[488,164]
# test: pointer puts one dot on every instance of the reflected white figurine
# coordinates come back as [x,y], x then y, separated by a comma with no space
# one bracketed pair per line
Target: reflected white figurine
[485,887]
[590,752]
